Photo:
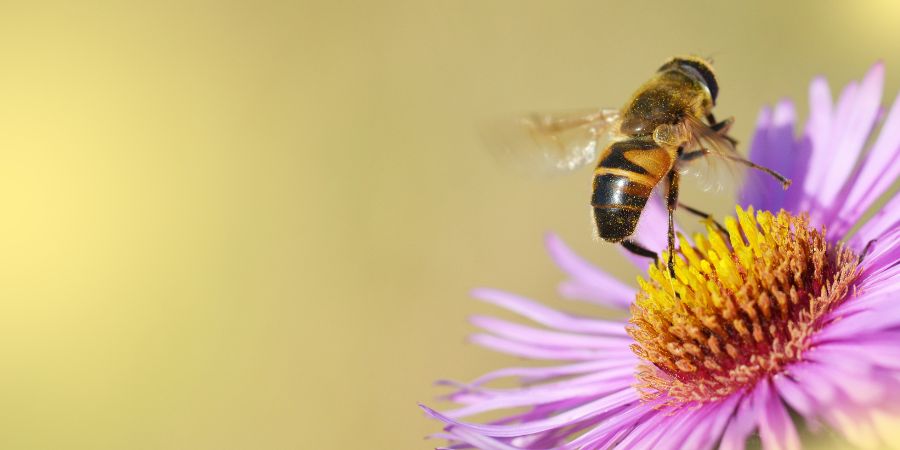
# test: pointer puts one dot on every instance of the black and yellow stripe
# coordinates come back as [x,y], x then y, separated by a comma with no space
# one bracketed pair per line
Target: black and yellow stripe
[626,175]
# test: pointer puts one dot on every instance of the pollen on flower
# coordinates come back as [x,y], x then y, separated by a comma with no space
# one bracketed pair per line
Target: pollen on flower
[741,306]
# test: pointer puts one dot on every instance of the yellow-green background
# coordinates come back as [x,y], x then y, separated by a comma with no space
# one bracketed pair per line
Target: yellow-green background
[253,225]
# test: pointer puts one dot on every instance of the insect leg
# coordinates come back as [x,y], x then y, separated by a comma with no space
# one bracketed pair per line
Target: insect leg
[866,250]
[690,156]
[785,182]
[721,127]
[704,215]
[671,204]
[638,249]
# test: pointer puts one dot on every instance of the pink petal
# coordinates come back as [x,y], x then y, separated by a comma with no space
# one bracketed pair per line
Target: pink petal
[809,376]
[547,316]
[544,338]
[480,441]
[588,282]
[776,429]
[612,428]
[774,147]
[794,394]
[856,115]
[672,434]
[741,425]
[643,436]
[818,132]
[752,192]
[874,296]
[881,231]
[473,393]
[536,352]
[535,396]
[880,170]
[592,409]
[709,430]
[534,374]
[858,324]
[878,352]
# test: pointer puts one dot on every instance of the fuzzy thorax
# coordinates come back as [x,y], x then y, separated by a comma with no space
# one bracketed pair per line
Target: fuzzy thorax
[741,306]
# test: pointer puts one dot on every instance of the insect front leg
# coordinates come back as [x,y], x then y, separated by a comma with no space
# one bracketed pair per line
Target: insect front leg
[785,181]
[690,156]
[722,127]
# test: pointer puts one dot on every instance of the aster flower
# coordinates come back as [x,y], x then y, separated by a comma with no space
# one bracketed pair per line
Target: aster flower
[787,311]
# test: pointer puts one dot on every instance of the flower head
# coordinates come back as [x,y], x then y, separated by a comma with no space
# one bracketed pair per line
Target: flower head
[784,309]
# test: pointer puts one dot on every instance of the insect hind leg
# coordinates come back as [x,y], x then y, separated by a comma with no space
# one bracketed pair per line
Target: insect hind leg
[639,249]
[703,215]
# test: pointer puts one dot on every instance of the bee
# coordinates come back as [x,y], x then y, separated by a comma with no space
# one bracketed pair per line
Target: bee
[667,124]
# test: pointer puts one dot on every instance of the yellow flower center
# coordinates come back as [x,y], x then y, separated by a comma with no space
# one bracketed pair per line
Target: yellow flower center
[741,306]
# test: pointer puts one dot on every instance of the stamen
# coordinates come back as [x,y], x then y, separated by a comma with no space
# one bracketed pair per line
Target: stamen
[741,306]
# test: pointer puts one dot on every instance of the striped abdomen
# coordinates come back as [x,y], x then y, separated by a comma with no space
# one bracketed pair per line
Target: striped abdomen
[627,173]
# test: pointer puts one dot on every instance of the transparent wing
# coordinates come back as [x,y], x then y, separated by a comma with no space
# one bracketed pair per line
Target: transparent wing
[555,142]
[714,169]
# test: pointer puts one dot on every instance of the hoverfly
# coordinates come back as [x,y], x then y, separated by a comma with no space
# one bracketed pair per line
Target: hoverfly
[667,124]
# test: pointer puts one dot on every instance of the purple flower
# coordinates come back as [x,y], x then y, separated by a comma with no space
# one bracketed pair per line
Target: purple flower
[787,311]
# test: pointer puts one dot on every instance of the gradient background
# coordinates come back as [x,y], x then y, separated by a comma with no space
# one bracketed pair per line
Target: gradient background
[253,225]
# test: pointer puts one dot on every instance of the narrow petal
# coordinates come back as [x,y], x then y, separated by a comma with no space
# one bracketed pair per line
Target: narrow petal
[534,374]
[740,426]
[752,192]
[775,145]
[587,282]
[544,338]
[548,316]
[875,295]
[857,118]
[854,424]
[646,433]
[858,324]
[818,133]
[674,430]
[878,173]
[808,375]
[866,388]
[886,220]
[794,394]
[613,428]
[776,429]
[531,397]
[592,409]
[709,430]
[618,378]
[480,441]
[536,352]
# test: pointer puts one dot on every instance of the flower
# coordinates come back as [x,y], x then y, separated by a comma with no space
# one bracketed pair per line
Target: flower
[788,310]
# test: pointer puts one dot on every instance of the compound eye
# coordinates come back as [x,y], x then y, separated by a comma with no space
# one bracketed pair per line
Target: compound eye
[703,75]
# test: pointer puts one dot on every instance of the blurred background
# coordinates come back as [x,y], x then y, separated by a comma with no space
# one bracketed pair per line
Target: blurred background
[254,225]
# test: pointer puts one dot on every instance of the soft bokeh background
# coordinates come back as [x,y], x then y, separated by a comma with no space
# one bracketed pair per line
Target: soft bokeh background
[253,225]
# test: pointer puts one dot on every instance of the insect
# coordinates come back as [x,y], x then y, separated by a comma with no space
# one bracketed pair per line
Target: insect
[666,125]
